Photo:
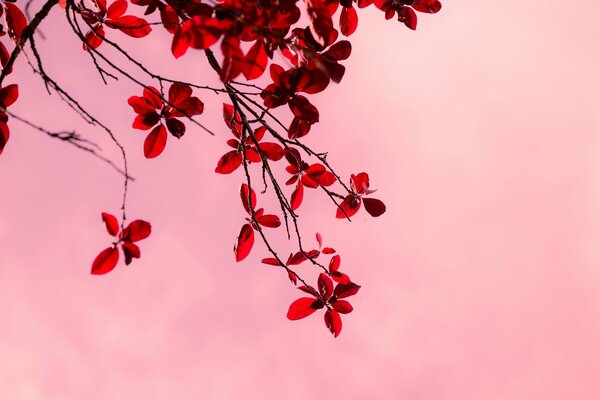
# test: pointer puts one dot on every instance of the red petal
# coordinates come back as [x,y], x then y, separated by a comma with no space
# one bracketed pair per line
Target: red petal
[155,142]
[244,244]
[303,307]
[374,207]
[112,226]
[106,261]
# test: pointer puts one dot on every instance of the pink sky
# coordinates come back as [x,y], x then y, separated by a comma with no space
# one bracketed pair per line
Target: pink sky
[482,281]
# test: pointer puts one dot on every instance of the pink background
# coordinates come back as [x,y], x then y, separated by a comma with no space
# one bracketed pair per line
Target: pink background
[481,282]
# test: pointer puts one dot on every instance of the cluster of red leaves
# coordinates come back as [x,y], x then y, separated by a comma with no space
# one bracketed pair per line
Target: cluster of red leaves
[152,109]
[231,160]
[108,258]
[245,239]
[326,297]
[112,17]
[8,95]
[304,175]
[262,27]
[359,184]
[15,23]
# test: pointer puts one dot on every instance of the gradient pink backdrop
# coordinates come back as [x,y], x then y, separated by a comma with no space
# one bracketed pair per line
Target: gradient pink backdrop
[481,282]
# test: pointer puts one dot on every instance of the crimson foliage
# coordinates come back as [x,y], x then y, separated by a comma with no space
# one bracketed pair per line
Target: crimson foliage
[250,35]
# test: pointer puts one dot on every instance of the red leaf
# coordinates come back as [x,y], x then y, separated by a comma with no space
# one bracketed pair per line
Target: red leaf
[176,127]
[4,136]
[94,38]
[340,277]
[137,230]
[244,244]
[328,250]
[269,220]
[8,95]
[334,264]
[297,196]
[180,43]
[155,142]
[348,207]
[231,120]
[112,226]
[270,261]
[325,286]
[348,21]
[272,151]
[131,25]
[296,259]
[303,307]
[333,322]
[359,183]
[116,9]
[244,195]
[256,60]
[427,6]
[130,251]
[319,239]
[15,20]
[106,261]
[343,290]
[342,306]
[178,93]
[229,162]
[374,207]
[339,51]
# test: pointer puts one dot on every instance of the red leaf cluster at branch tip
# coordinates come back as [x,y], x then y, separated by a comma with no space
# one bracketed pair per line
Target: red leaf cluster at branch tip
[231,160]
[360,187]
[153,110]
[108,258]
[245,239]
[326,297]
